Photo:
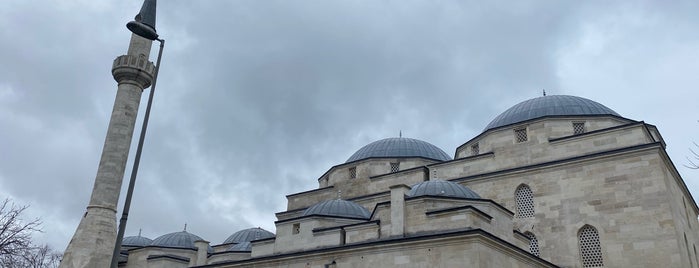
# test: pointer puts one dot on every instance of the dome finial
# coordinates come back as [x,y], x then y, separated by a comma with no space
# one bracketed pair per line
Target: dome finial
[139,232]
[400,133]
[185,226]
[544,90]
[339,194]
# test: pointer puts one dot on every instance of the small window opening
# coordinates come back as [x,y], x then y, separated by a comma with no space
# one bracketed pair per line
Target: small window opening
[353,172]
[475,150]
[578,127]
[395,167]
[533,243]
[296,228]
[521,134]
[590,249]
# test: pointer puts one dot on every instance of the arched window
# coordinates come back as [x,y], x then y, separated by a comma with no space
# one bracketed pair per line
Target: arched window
[525,202]
[533,243]
[590,249]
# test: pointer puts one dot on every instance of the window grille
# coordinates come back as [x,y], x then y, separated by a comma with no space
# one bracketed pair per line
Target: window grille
[395,167]
[521,134]
[353,172]
[590,249]
[578,127]
[533,243]
[525,202]
[475,150]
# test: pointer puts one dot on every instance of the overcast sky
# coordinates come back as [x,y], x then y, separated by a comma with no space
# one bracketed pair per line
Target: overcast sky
[257,99]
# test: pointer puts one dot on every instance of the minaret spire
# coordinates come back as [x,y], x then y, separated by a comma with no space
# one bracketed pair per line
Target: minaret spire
[92,244]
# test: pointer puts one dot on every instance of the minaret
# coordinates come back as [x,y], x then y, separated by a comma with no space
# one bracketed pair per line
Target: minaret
[93,242]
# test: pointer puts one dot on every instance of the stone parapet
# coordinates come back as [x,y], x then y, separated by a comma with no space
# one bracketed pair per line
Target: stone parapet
[133,69]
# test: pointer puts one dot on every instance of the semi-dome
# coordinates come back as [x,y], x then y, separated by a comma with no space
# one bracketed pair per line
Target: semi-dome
[338,207]
[400,147]
[242,246]
[441,188]
[178,240]
[552,105]
[136,241]
[248,235]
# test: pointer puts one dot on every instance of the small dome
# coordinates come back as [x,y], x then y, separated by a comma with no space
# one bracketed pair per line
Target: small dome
[338,207]
[177,240]
[442,188]
[552,105]
[242,246]
[248,235]
[399,147]
[136,241]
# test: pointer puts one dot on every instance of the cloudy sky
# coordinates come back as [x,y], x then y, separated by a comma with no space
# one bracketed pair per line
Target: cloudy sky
[257,99]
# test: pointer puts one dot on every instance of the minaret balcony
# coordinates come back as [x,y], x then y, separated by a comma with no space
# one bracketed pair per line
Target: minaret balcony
[133,69]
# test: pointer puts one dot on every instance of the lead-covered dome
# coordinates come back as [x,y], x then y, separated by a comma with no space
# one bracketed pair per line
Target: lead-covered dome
[400,147]
[248,235]
[339,208]
[441,188]
[242,246]
[177,240]
[552,105]
[136,241]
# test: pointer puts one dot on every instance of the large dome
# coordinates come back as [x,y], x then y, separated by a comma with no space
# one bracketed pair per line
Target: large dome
[399,147]
[248,235]
[552,105]
[177,240]
[338,207]
[242,246]
[441,188]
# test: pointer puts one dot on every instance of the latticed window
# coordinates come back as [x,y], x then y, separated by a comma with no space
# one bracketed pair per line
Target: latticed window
[578,127]
[395,167]
[533,243]
[521,134]
[475,150]
[590,249]
[353,172]
[525,202]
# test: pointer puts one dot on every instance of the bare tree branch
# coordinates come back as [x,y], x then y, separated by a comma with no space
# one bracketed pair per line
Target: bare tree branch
[16,247]
[693,164]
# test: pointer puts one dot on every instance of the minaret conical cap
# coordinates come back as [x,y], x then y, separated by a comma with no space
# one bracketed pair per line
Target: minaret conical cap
[147,13]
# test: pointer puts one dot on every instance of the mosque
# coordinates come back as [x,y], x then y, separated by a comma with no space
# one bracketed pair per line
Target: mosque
[554,181]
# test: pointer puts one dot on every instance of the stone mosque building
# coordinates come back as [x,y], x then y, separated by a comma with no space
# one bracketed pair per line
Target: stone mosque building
[554,181]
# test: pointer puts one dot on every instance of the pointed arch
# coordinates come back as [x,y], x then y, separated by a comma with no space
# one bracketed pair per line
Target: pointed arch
[590,248]
[524,200]
[533,243]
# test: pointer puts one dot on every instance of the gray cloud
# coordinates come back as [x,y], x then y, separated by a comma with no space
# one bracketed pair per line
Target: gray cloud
[257,99]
